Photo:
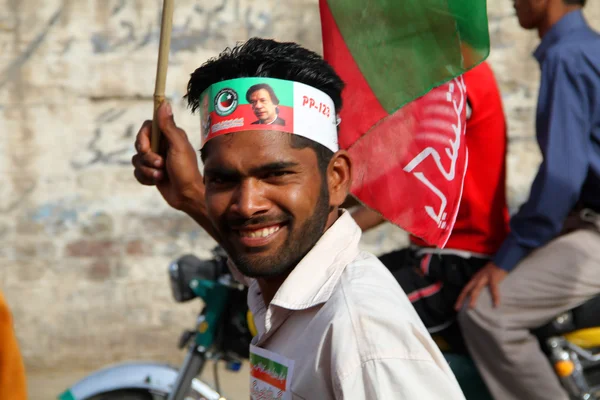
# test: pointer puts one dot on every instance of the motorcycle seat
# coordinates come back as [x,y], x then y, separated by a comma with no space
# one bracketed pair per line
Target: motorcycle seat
[580,325]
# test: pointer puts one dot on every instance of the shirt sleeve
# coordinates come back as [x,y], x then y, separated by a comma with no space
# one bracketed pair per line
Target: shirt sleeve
[399,379]
[557,185]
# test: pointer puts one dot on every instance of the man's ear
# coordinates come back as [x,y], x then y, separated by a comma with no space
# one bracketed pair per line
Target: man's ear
[339,178]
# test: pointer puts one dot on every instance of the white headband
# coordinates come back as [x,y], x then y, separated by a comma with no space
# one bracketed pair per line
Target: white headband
[269,104]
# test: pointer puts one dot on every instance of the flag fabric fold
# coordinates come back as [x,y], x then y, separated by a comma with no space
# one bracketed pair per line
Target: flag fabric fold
[404,114]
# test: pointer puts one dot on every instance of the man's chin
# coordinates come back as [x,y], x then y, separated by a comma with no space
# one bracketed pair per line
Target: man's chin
[260,267]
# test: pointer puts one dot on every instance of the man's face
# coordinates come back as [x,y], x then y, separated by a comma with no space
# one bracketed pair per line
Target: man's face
[263,106]
[530,12]
[266,199]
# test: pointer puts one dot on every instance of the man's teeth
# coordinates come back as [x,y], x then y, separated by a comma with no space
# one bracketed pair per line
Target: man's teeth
[260,232]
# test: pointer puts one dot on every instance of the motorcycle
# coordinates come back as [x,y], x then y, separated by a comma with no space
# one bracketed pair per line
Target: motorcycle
[571,341]
[224,328]
[222,333]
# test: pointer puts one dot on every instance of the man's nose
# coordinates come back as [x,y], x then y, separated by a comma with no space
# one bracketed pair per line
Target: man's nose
[250,199]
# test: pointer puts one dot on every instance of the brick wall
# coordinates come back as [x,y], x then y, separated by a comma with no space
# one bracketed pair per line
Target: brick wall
[83,247]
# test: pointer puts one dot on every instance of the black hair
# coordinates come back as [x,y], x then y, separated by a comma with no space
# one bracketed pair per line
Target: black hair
[270,59]
[260,86]
[575,2]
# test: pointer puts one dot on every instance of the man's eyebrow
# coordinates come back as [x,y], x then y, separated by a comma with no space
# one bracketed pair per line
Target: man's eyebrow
[222,171]
[273,166]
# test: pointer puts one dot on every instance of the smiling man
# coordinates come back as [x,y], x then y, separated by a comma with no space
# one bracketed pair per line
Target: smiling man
[332,321]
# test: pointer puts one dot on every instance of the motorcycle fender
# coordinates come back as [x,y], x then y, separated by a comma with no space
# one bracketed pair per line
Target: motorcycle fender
[133,375]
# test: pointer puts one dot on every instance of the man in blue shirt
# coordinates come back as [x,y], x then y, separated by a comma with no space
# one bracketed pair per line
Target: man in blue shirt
[550,262]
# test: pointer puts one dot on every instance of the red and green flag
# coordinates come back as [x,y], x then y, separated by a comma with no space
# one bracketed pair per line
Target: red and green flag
[404,114]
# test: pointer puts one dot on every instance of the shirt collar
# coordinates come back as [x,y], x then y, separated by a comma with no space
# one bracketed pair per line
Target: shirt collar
[312,281]
[570,22]
[314,278]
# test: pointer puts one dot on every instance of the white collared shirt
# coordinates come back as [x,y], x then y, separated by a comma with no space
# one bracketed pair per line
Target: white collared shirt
[348,328]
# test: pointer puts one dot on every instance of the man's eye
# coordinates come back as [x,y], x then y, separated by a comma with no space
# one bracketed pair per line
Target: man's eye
[277,174]
[216,180]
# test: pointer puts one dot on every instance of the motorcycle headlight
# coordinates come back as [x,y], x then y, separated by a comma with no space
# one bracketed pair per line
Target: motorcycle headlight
[180,292]
[185,269]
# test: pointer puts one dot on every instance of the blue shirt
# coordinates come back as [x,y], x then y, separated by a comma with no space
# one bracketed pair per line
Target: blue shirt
[568,133]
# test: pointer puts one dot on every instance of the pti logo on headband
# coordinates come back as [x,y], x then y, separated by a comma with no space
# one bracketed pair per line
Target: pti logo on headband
[226,101]
[267,104]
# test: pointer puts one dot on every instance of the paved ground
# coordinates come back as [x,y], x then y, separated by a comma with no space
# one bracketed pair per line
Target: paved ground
[47,385]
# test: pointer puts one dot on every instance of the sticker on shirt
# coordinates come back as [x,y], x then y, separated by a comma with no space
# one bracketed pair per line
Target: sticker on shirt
[270,375]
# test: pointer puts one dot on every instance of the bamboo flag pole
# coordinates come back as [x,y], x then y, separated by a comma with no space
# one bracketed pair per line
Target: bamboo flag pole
[161,68]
